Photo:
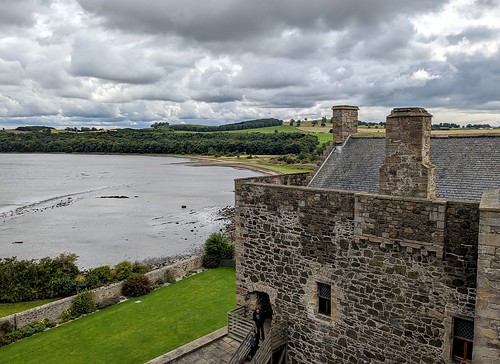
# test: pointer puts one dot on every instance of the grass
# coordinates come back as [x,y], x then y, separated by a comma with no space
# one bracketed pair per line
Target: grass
[268,130]
[266,162]
[7,309]
[136,332]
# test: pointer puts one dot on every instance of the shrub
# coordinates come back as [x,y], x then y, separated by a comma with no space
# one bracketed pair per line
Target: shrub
[83,304]
[98,277]
[121,271]
[219,245]
[137,285]
[23,332]
[210,261]
[27,280]
[64,286]
[159,282]
[67,315]
[6,327]
[139,268]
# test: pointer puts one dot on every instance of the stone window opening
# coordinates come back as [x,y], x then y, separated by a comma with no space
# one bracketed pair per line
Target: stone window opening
[324,299]
[463,337]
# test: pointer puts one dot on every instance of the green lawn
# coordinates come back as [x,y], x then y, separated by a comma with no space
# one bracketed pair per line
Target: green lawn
[7,309]
[324,137]
[136,332]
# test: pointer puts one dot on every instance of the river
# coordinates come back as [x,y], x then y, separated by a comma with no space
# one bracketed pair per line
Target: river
[109,208]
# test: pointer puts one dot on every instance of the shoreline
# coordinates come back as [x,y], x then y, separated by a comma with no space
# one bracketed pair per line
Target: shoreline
[196,161]
[208,162]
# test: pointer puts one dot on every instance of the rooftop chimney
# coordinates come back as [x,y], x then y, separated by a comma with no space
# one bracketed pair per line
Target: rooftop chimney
[345,122]
[407,169]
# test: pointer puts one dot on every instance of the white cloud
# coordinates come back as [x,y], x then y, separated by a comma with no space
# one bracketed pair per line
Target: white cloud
[423,75]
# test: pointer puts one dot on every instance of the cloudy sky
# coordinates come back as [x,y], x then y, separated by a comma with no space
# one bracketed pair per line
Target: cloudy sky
[129,63]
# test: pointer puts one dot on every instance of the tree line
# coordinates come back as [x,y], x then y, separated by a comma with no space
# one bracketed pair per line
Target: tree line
[159,141]
[244,125]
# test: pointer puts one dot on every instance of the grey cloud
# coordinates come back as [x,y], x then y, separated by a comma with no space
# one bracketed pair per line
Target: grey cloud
[49,74]
[93,58]
[19,13]
[488,4]
[139,111]
[226,20]
[11,72]
[26,105]
[468,82]
[296,44]
[88,109]
[126,62]
[271,74]
[476,80]
[219,95]
[480,33]
[163,91]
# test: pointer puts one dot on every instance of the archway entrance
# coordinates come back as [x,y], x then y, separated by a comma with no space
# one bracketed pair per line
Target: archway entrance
[258,299]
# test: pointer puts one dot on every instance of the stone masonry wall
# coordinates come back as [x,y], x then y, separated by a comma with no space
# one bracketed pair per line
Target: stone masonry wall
[487,321]
[54,310]
[394,292]
[414,223]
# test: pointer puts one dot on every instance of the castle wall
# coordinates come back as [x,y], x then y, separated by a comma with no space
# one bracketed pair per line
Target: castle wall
[487,322]
[399,269]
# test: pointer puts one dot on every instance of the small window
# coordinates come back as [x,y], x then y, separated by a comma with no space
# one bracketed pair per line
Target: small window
[324,299]
[463,337]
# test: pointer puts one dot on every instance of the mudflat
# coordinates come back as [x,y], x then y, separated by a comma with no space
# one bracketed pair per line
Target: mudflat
[109,208]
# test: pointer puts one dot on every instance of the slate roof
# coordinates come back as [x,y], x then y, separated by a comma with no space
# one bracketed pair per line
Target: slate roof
[465,166]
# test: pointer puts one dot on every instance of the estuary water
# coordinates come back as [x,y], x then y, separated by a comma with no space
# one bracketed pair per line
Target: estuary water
[109,208]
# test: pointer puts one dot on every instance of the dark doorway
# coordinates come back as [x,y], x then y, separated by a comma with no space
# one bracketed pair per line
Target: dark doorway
[264,304]
[261,300]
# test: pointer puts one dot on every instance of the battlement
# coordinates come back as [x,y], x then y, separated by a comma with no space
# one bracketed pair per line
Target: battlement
[416,224]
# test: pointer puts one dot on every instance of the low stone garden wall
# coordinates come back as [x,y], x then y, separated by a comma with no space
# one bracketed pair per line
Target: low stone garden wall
[54,310]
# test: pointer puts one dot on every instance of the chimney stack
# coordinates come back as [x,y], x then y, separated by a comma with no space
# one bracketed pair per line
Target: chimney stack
[407,169]
[345,122]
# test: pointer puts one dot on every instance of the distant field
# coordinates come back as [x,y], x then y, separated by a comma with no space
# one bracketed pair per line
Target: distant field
[457,132]
[467,132]
[268,129]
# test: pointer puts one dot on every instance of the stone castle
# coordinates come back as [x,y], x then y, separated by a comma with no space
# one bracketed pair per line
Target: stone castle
[390,253]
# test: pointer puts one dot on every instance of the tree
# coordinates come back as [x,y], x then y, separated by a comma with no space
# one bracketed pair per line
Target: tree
[314,122]
[323,121]
[292,122]
[158,125]
[299,123]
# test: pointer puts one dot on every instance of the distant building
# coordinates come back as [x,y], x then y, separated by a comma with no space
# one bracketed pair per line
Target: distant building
[390,253]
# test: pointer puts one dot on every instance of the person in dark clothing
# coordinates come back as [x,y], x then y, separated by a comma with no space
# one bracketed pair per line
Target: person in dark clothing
[253,343]
[259,319]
